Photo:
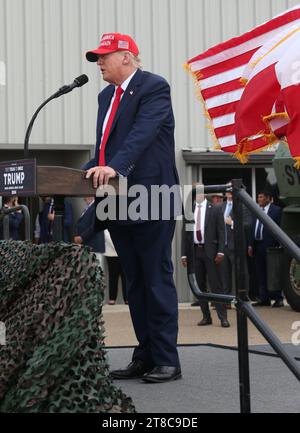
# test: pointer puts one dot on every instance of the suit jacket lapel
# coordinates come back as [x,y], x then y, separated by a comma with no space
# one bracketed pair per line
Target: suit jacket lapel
[208,209]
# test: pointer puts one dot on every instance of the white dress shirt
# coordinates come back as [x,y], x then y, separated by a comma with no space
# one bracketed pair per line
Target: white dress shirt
[124,86]
[260,235]
[200,207]
[228,208]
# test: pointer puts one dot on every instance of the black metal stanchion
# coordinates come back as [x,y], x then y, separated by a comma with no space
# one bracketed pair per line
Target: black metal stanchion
[241,294]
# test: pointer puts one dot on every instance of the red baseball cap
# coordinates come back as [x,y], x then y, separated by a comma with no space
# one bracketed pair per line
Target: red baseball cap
[111,42]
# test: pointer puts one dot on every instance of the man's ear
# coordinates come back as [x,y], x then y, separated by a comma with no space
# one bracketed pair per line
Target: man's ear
[126,59]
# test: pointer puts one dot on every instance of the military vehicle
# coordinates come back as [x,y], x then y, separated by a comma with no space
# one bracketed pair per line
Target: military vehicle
[288,181]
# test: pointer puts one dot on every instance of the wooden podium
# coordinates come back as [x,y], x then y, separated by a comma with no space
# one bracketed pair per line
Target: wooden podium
[26,179]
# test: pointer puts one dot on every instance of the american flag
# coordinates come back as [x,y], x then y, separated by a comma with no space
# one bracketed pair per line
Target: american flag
[218,73]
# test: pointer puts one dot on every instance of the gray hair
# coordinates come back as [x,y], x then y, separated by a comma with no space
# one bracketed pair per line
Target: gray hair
[135,60]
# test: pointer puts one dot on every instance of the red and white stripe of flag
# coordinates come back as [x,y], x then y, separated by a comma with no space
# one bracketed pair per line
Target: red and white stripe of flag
[218,73]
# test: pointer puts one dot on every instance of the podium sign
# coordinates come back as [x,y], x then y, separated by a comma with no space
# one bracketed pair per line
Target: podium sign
[18,177]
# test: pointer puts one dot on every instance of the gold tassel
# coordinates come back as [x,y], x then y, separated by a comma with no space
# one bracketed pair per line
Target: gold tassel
[242,153]
[297,163]
[242,157]
[243,81]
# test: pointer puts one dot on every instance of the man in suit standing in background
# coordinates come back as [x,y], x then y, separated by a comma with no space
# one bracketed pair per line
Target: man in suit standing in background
[207,243]
[260,240]
[135,139]
[227,265]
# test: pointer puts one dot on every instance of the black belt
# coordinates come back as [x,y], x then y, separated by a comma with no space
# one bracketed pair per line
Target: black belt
[199,245]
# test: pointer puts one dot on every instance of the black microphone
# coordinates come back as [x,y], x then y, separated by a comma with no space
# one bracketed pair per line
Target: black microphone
[78,82]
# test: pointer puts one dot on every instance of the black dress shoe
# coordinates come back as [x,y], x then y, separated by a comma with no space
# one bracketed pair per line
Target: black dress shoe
[134,370]
[162,373]
[262,304]
[225,324]
[277,304]
[205,322]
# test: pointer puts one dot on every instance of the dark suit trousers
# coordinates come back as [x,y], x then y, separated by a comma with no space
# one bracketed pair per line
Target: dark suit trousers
[145,253]
[226,268]
[114,272]
[206,266]
[260,257]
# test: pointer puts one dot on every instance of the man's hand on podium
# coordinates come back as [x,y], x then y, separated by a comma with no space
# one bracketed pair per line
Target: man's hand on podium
[101,175]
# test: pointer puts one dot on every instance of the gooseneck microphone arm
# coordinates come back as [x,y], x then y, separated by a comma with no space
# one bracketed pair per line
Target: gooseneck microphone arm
[28,132]
[78,82]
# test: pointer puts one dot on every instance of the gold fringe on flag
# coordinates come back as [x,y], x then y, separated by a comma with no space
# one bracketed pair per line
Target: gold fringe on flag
[267,119]
[197,76]
[244,146]
[243,81]
[297,163]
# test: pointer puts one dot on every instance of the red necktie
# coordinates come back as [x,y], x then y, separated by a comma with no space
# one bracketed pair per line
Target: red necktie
[198,225]
[112,114]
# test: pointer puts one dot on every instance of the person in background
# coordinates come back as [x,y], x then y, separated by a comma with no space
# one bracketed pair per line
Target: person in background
[85,233]
[216,198]
[227,265]
[15,218]
[68,221]
[44,223]
[207,243]
[114,270]
[260,240]
[43,232]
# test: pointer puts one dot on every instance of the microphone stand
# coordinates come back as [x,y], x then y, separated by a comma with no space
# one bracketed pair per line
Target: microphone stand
[29,129]
[28,202]
[78,82]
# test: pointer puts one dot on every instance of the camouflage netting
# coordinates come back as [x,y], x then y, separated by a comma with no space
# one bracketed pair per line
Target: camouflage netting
[54,358]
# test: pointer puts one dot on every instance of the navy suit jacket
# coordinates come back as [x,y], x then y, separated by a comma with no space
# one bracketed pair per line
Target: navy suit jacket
[214,233]
[15,220]
[275,213]
[85,228]
[141,144]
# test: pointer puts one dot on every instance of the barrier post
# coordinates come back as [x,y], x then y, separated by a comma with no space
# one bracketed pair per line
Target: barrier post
[241,294]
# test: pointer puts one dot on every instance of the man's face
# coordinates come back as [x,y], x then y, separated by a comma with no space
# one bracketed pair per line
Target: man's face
[215,199]
[200,198]
[229,196]
[262,200]
[111,66]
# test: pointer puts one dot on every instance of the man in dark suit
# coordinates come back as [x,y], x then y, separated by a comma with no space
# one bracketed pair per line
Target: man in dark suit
[135,139]
[260,240]
[85,229]
[227,265]
[206,240]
